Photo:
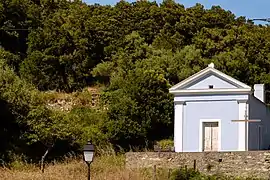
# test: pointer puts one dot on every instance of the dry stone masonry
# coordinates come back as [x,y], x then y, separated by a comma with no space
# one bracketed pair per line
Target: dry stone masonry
[239,164]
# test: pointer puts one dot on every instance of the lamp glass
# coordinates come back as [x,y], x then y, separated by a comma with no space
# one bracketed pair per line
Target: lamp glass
[88,156]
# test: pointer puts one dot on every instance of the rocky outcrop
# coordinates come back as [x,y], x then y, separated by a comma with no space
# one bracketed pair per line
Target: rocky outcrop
[65,101]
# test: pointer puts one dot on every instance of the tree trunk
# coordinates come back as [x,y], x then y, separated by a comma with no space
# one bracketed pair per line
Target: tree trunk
[42,165]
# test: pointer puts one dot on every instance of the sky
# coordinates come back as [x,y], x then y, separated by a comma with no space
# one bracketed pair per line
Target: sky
[248,8]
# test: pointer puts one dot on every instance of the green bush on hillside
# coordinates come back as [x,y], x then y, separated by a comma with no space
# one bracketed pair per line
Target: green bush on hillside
[26,120]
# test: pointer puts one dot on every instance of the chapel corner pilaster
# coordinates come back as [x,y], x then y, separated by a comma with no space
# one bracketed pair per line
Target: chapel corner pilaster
[180,103]
[242,101]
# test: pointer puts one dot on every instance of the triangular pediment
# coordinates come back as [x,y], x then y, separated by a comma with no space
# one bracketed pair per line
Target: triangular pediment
[209,80]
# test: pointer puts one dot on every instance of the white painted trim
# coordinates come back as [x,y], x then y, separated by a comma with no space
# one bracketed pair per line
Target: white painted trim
[190,79]
[241,125]
[228,150]
[231,79]
[206,71]
[210,91]
[201,133]
[178,126]
[247,106]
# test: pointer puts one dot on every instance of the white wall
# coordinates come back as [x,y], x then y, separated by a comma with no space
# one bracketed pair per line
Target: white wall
[258,110]
[196,111]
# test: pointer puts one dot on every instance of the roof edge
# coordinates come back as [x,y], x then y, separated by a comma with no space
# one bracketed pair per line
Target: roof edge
[212,91]
[206,70]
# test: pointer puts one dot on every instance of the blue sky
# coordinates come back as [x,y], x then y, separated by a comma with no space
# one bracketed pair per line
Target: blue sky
[247,8]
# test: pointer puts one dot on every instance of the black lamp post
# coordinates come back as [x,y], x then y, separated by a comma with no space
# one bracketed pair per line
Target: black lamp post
[88,155]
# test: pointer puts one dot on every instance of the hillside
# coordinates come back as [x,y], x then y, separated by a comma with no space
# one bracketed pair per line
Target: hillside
[67,101]
[53,51]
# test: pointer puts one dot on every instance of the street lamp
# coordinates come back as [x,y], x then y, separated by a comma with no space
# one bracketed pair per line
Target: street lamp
[88,155]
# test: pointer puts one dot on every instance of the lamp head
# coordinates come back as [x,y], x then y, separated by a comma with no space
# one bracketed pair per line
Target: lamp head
[88,152]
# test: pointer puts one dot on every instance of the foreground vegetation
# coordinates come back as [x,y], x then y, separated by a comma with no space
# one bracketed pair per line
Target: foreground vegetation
[133,53]
[107,167]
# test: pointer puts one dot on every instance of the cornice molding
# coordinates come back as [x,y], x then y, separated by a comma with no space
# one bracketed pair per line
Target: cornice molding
[242,101]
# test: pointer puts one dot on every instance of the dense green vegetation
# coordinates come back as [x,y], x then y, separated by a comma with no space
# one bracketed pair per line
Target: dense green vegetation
[136,51]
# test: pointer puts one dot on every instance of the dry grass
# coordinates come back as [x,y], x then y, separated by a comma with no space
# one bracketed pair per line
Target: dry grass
[103,168]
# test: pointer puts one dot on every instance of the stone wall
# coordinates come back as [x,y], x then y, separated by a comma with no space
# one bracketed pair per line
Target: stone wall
[244,164]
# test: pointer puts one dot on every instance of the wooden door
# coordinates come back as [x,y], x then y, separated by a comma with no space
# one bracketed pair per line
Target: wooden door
[210,136]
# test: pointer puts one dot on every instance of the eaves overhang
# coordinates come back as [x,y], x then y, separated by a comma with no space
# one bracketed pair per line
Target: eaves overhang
[211,91]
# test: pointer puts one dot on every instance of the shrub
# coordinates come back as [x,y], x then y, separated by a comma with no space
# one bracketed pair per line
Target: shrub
[183,174]
[165,144]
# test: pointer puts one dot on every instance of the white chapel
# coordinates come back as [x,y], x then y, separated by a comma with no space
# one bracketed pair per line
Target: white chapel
[216,112]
